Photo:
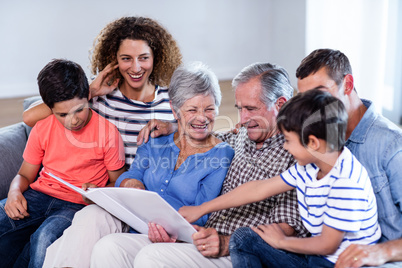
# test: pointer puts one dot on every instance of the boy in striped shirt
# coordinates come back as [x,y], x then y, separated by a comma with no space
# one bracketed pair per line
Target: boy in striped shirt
[335,197]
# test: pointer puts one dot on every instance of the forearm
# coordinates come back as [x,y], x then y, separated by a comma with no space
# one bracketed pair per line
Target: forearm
[19,183]
[391,250]
[247,193]
[309,246]
[36,113]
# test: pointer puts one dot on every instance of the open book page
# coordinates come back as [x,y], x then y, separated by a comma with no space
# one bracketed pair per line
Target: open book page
[137,208]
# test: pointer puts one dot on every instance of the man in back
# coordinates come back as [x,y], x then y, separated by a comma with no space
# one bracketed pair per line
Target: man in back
[377,144]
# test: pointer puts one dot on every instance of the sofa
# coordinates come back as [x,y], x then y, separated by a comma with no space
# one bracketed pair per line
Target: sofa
[13,139]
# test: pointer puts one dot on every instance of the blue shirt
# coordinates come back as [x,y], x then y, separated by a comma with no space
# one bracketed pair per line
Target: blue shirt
[198,179]
[377,144]
[343,199]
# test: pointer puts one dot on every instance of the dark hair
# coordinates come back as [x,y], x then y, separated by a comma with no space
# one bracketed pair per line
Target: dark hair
[62,80]
[335,62]
[317,113]
[167,56]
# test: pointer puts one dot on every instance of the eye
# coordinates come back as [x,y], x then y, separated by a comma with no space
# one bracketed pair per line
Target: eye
[62,115]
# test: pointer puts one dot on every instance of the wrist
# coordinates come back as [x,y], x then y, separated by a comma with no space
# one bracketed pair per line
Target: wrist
[224,245]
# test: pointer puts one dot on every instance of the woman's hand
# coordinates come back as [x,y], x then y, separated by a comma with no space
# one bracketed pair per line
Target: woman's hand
[104,83]
[16,206]
[85,187]
[155,128]
[157,234]
[191,213]
[132,183]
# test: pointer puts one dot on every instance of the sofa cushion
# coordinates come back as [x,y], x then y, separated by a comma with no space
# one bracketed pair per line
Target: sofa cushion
[12,144]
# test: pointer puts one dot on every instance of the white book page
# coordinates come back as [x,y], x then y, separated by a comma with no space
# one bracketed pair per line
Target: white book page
[137,208]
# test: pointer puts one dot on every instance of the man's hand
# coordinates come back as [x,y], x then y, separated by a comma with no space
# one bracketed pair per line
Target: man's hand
[132,183]
[358,255]
[209,243]
[191,213]
[155,128]
[16,205]
[105,82]
[157,234]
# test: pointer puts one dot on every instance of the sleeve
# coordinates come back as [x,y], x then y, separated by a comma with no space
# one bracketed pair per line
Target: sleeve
[211,185]
[347,203]
[138,167]
[290,176]
[114,158]
[34,151]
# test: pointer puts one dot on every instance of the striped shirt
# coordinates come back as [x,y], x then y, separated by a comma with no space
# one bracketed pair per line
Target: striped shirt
[250,163]
[343,200]
[130,116]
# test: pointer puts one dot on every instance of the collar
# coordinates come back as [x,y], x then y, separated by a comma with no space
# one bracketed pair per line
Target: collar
[360,133]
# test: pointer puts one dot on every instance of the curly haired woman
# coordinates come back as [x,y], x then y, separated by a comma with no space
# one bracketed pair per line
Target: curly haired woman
[133,59]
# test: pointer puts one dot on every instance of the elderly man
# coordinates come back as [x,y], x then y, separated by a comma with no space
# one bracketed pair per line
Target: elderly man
[260,90]
[376,143]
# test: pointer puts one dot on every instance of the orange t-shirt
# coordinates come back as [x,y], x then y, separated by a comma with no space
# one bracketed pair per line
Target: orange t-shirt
[75,156]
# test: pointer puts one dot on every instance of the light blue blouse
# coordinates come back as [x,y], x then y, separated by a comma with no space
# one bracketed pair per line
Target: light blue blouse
[197,180]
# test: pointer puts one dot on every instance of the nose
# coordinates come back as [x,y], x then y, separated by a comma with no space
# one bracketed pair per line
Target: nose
[74,120]
[244,116]
[201,117]
[136,66]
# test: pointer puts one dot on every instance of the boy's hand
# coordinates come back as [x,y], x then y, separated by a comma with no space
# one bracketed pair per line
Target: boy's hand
[157,234]
[272,234]
[191,213]
[16,205]
[132,183]
[85,187]
[104,83]
[154,128]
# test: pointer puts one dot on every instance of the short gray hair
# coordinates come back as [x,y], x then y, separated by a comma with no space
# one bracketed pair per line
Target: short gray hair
[191,80]
[274,79]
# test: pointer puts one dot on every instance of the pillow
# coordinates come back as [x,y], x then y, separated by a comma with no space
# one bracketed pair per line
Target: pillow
[12,144]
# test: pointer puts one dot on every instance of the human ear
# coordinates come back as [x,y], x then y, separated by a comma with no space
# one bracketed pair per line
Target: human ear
[348,84]
[280,102]
[174,113]
[313,143]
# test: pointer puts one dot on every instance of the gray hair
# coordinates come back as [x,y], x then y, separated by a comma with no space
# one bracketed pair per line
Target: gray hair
[274,79]
[192,80]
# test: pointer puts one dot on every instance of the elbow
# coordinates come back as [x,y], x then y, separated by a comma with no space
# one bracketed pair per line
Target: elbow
[28,119]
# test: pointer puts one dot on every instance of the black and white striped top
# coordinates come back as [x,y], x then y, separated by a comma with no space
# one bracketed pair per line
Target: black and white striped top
[130,116]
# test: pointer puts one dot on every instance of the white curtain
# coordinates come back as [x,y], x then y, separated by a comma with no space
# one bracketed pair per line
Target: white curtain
[367,32]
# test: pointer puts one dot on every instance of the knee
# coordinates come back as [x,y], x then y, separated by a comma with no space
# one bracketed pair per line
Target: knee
[106,247]
[243,236]
[90,214]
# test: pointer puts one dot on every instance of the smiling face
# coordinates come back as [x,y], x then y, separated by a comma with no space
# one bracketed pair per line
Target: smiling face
[73,114]
[259,120]
[196,117]
[294,147]
[135,59]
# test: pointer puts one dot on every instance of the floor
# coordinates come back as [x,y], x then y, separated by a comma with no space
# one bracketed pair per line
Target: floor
[11,109]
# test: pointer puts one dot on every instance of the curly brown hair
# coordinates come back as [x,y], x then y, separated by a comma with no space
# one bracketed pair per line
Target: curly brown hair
[167,55]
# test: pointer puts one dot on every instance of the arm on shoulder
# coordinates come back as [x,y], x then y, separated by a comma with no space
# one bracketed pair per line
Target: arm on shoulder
[37,111]
[155,128]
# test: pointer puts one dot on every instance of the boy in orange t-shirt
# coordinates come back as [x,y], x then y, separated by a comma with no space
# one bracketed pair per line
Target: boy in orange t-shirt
[76,144]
